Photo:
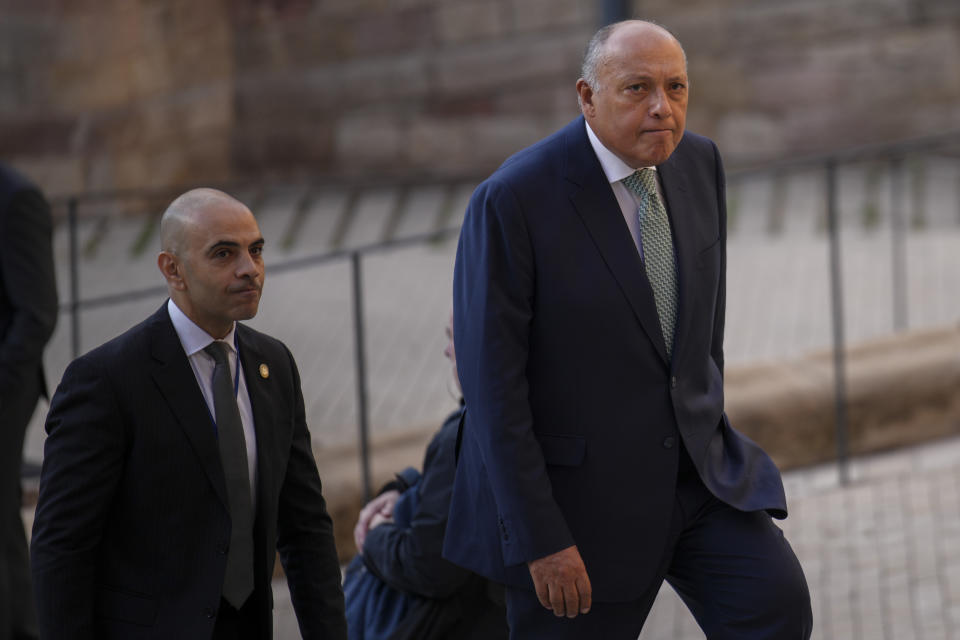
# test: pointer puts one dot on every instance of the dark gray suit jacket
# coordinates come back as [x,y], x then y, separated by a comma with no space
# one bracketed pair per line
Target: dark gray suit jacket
[132,524]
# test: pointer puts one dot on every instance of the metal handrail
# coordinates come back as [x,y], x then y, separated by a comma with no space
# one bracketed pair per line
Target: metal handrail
[737,168]
[874,151]
[313,184]
[294,264]
[892,152]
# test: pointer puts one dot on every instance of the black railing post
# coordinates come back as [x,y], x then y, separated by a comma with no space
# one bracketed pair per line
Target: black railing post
[74,278]
[614,11]
[899,244]
[839,346]
[357,277]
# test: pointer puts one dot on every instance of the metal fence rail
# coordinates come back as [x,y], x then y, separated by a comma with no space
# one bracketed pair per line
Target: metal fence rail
[77,303]
[893,155]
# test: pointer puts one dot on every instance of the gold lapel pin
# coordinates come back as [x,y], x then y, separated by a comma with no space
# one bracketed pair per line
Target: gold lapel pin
[264,371]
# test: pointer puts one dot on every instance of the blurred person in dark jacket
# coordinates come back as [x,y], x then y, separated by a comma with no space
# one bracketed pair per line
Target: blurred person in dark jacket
[28,314]
[401,587]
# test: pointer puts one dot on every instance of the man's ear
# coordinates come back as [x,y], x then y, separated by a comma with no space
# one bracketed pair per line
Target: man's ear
[172,270]
[585,97]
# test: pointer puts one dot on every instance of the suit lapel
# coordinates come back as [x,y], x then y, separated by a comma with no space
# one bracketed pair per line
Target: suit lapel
[596,205]
[680,210]
[261,390]
[177,383]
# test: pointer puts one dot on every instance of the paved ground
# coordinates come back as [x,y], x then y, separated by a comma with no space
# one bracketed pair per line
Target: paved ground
[881,555]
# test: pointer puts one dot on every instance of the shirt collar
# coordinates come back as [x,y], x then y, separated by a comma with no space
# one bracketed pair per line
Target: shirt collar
[192,337]
[613,167]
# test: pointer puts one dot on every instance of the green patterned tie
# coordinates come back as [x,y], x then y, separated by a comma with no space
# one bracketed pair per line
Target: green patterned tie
[657,242]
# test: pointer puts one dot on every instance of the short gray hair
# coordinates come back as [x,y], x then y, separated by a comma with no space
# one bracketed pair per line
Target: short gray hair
[592,56]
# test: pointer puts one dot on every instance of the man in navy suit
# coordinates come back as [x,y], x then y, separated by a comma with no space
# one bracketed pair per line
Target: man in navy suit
[178,462]
[596,459]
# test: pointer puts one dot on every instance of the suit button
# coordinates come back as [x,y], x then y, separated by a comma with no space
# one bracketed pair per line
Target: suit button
[221,549]
[673,382]
[209,613]
[668,442]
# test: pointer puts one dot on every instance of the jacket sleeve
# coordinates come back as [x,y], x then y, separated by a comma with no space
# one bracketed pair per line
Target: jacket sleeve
[82,465]
[494,291]
[408,557]
[26,266]
[305,538]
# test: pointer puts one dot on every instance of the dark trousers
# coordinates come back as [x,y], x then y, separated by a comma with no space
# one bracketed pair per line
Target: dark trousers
[735,571]
[237,624]
[18,618]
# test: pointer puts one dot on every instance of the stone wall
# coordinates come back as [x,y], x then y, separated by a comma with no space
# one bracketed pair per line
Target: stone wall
[416,85]
[125,93]
[99,94]
[775,78]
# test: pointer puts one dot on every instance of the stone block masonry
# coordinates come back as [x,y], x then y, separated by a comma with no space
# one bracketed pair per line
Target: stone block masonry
[100,95]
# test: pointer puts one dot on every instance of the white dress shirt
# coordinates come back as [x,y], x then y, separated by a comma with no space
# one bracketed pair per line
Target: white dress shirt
[194,340]
[616,170]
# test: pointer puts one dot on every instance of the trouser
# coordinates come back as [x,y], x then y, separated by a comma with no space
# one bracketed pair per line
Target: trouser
[237,624]
[734,570]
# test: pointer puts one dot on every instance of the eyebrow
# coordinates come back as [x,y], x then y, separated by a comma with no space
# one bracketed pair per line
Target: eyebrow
[233,243]
[633,76]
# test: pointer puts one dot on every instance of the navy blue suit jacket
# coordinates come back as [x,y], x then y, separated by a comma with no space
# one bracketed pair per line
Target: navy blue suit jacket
[575,409]
[132,522]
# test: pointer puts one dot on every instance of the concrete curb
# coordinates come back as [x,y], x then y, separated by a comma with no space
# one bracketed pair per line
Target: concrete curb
[902,389]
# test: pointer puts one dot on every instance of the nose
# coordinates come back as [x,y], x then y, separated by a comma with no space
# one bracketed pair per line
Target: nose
[247,265]
[660,104]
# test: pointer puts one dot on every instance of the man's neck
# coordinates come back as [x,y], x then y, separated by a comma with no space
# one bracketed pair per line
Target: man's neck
[215,330]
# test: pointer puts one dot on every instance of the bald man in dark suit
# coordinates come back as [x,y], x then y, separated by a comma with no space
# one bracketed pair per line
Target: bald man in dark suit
[178,462]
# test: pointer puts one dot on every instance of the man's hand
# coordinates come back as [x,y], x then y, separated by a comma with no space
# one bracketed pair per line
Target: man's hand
[379,519]
[377,511]
[561,582]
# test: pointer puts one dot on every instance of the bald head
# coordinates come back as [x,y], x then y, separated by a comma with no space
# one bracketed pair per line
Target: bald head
[187,211]
[212,259]
[596,53]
